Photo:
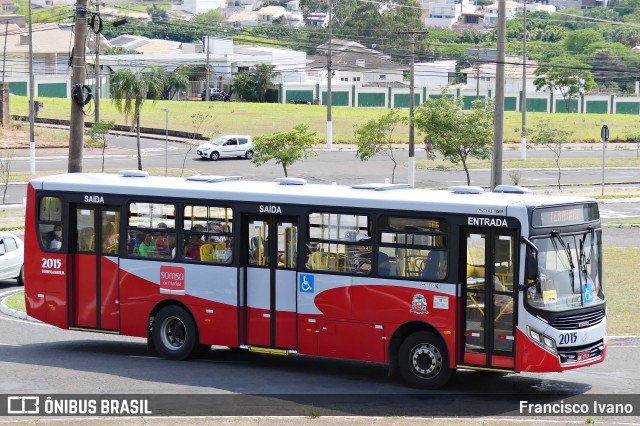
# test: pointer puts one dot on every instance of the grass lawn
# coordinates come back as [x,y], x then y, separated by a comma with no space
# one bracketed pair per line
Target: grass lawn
[258,119]
[621,270]
[16,301]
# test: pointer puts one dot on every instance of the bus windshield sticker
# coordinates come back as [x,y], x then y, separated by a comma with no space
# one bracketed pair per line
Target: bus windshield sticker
[586,293]
[172,280]
[306,283]
[487,221]
[440,302]
[550,296]
[419,305]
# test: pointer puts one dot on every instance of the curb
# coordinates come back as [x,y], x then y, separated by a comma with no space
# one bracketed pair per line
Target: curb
[12,312]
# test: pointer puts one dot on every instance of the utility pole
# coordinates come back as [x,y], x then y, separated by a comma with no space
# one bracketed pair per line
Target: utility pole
[498,123]
[32,106]
[4,56]
[477,72]
[412,143]
[76,125]
[329,77]
[523,141]
[96,95]
[208,95]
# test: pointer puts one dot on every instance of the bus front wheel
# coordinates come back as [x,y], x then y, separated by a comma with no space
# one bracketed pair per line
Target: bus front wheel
[423,361]
[174,333]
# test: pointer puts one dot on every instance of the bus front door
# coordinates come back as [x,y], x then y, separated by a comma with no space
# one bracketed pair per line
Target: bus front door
[95,288]
[270,284]
[488,294]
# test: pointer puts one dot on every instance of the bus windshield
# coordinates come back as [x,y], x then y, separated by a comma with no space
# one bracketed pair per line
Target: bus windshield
[570,272]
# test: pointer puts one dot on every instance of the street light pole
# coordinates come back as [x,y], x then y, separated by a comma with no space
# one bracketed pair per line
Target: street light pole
[32,107]
[329,77]
[166,138]
[523,142]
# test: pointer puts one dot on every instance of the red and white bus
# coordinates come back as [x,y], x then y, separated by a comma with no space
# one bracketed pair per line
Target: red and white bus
[426,281]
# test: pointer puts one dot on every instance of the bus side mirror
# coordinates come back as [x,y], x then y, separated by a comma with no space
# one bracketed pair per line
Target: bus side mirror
[531,272]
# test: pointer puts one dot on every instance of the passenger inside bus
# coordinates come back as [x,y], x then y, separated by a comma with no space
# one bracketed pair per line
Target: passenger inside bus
[109,239]
[162,244]
[192,247]
[147,247]
[361,259]
[56,238]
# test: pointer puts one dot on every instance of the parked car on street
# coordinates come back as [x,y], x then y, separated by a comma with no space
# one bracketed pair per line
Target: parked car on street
[11,257]
[227,146]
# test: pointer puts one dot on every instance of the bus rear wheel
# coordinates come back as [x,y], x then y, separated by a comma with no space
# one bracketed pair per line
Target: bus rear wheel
[423,361]
[174,333]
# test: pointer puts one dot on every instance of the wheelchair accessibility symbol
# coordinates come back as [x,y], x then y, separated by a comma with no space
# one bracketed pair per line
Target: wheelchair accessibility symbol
[306,283]
[586,293]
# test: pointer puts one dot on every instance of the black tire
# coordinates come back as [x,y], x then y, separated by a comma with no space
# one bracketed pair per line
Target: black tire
[248,155]
[423,361]
[214,155]
[174,333]
[20,277]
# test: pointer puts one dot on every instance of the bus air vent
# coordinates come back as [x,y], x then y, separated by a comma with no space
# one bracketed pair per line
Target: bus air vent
[466,189]
[511,189]
[290,181]
[133,173]
[201,178]
[382,186]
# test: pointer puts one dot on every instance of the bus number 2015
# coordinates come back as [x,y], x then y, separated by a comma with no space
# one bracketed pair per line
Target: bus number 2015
[51,263]
[567,338]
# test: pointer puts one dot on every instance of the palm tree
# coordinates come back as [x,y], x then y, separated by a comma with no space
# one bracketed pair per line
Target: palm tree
[129,90]
[177,81]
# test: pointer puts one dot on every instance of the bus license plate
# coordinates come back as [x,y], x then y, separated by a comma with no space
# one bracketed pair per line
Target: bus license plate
[582,356]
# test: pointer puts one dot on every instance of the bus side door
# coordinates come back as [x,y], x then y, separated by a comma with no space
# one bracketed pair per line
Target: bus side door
[489,298]
[270,305]
[95,283]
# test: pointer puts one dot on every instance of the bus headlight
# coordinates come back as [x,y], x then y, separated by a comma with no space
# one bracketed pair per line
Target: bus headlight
[535,335]
[550,343]
[542,339]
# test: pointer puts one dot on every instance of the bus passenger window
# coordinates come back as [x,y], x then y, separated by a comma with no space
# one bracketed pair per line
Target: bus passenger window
[208,234]
[50,223]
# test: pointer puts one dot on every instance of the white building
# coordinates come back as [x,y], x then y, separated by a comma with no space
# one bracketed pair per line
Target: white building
[511,9]
[51,71]
[434,75]
[200,6]
[444,13]
[483,77]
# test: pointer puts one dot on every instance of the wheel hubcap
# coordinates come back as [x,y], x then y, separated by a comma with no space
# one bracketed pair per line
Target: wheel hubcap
[173,333]
[426,360]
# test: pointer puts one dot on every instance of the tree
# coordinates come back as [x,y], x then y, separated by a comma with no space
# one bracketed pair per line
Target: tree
[158,15]
[544,134]
[6,164]
[129,90]
[177,81]
[576,42]
[98,133]
[374,138]
[199,120]
[565,75]
[455,133]
[252,86]
[285,148]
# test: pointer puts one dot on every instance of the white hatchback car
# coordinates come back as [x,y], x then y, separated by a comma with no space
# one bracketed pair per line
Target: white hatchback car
[11,257]
[227,146]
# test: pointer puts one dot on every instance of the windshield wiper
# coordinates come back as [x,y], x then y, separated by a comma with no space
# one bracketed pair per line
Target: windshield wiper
[567,250]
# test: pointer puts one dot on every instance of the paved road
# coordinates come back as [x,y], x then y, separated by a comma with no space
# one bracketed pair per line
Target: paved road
[43,359]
